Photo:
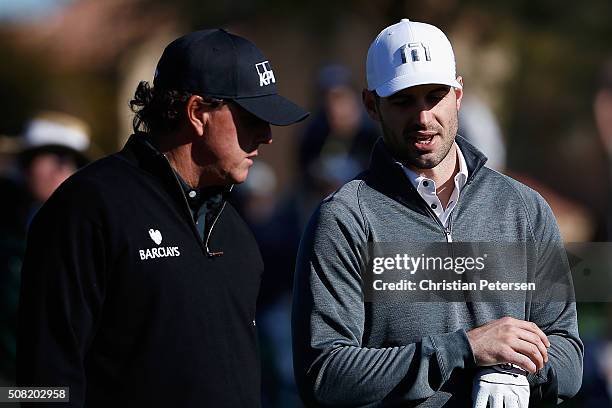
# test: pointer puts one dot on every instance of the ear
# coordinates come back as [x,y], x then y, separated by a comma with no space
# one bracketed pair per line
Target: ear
[459,92]
[196,114]
[369,101]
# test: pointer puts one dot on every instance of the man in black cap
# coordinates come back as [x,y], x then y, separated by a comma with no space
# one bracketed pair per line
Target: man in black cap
[140,279]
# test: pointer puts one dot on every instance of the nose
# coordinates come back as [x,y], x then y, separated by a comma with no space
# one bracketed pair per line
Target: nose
[424,115]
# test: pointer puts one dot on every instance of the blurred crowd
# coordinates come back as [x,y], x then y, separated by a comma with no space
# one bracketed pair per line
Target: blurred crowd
[334,147]
[51,148]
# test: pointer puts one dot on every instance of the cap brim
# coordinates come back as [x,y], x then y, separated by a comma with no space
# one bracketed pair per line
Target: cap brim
[407,81]
[28,153]
[273,109]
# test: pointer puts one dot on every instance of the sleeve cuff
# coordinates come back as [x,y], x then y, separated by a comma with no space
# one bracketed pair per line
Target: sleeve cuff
[453,351]
[539,377]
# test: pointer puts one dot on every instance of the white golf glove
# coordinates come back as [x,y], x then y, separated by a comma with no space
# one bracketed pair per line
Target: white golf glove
[501,386]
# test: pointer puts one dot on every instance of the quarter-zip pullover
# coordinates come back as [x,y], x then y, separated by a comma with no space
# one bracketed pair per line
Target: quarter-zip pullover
[350,351]
[124,302]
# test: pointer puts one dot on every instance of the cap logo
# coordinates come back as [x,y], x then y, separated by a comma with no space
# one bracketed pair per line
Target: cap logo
[266,76]
[414,52]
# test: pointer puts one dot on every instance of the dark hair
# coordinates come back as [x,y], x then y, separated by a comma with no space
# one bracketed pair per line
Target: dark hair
[159,111]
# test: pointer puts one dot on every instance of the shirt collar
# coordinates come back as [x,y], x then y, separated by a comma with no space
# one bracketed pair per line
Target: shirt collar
[189,191]
[197,197]
[418,180]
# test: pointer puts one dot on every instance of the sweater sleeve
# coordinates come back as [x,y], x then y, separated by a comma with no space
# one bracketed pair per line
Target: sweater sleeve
[61,296]
[553,309]
[332,366]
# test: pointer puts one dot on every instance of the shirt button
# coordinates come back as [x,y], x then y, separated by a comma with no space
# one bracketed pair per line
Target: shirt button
[192,194]
[434,206]
[426,183]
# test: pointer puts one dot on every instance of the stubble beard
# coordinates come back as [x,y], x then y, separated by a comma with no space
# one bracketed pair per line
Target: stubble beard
[411,158]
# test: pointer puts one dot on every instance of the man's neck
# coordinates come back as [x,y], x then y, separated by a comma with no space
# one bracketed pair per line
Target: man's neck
[443,175]
[178,151]
[180,160]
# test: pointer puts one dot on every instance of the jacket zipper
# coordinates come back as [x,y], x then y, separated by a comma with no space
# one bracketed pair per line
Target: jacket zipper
[447,231]
[209,253]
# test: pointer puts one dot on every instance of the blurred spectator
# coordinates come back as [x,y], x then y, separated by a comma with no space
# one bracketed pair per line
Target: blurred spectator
[52,147]
[276,236]
[480,127]
[602,107]
[335,147]
[279,237]
[340,126]
[597,384]
[257,195]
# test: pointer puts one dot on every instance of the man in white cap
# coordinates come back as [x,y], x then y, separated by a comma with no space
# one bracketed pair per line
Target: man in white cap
[353,344]
[54,147]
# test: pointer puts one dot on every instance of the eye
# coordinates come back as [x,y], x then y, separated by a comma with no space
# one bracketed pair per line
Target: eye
[435,98]
[438,94]
[401,101]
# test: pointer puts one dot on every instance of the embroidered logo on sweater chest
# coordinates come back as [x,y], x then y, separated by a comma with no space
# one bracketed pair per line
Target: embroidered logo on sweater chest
[159,251]
[155,236]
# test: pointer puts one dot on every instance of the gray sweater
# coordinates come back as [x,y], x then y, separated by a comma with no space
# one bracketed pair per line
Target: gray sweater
[357,353]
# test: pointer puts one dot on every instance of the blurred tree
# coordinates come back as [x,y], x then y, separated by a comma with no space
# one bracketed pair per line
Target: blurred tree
[552,50]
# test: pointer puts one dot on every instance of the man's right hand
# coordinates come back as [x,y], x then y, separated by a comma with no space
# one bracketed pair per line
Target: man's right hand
[509,340]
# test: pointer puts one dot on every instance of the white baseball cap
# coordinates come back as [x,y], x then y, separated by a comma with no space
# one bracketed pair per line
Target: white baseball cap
[408,54]
[57,129]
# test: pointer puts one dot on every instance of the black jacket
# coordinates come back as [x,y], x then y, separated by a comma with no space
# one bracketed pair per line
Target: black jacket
[122,300]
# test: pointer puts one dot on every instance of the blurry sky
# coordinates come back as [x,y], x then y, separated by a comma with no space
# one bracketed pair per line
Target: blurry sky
[28,9]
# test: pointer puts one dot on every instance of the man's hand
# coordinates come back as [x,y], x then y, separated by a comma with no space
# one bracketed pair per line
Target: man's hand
[509,340]
[500,389]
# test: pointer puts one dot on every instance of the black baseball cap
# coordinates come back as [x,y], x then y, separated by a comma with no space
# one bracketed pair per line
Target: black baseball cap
[222,65]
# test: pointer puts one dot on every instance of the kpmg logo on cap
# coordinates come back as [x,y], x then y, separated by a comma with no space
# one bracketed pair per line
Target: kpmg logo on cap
[266,76]
[414,52]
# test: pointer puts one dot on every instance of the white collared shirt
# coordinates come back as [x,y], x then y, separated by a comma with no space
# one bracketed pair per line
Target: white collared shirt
[427,189]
